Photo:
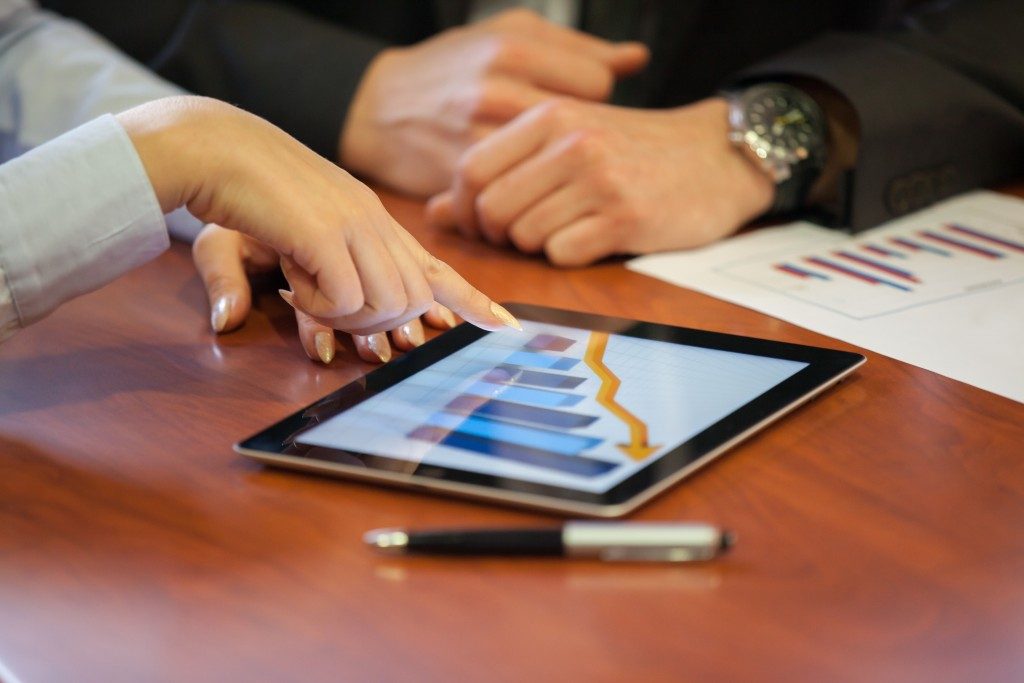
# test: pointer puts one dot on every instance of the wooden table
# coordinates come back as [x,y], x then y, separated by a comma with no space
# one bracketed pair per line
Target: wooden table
[881,527]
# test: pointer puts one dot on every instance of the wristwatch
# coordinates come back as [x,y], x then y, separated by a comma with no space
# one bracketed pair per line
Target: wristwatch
[783,131]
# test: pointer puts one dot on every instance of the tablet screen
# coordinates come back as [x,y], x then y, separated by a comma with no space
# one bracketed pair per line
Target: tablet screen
[579,413]
[554,405]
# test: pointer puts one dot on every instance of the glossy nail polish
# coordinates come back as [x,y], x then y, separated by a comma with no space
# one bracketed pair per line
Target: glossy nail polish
[219,314]
[378,343]
[413,332]
[505,317]
[325,346]
[448,317]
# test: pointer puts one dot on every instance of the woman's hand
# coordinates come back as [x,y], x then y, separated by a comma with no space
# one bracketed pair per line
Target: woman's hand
[225,259]
[350,265]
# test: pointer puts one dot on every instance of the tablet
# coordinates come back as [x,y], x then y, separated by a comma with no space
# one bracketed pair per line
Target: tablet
[578,413]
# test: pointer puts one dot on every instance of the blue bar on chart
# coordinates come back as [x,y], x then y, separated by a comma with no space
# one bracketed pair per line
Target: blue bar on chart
[542,360]
[512,374]
[961,245]
[790,269]
[519,412]
[570,464]
[558,442]
[872,263]
[520,394]
[918,246]
[856,274]
[878,249]
[988,237]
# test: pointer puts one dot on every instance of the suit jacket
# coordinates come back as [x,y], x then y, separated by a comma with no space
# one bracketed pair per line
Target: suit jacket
[939,90]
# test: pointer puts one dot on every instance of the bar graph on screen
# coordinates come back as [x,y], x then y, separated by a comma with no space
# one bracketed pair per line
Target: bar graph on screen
[556,405]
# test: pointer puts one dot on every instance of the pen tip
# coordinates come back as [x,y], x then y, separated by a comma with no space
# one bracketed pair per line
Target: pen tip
[727,541]
[393,541]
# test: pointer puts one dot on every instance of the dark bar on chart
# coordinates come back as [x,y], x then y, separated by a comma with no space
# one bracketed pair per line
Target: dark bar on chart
[963,246]
[549,342]
[1001,241]
[506,410]
[570,464]
[533,437]
[882,250]
[511,374]
[542,360]
[521,394]
[917,246]
[871,263]
[790,269]
[859,275]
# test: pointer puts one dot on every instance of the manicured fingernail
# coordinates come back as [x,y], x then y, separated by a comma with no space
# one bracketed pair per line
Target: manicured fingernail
[414,333]
[448,317]
[378,343]
[289,297]
[325,346]
[219,314]
[504,316]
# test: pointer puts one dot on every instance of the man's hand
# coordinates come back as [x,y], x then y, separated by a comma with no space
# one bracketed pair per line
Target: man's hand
[418,108]
[225,259]
[581,181]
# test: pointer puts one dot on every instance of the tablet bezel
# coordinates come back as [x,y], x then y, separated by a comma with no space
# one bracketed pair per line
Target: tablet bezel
[275,445]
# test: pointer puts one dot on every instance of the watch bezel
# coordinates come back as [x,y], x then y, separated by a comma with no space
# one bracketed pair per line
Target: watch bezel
[777,160]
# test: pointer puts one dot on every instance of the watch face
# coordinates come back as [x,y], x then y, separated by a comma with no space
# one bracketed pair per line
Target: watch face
[785,123]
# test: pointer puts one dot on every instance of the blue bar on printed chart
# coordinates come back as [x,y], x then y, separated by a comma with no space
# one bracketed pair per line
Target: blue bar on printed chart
[506,410]
[511,374]
[511,392]
[542,360]
[918,246]
[790,269]
[863,260]
[495,430]
[960,244]
[974,232]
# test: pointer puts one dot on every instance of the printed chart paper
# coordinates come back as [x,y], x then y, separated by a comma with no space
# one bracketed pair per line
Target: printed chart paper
[942,289]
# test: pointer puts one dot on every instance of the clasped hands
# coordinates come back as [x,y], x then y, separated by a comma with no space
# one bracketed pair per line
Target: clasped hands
[504,124]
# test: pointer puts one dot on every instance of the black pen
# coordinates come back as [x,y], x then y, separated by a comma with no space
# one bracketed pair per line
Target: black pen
[610,541]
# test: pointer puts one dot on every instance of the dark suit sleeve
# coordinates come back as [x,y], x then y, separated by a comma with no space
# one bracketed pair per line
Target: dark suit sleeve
[286,66]
[939,103]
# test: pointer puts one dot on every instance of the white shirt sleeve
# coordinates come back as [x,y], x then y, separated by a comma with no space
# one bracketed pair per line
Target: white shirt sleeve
[56,74]
[75,213]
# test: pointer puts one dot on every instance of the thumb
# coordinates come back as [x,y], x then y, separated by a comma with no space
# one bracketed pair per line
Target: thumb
[218,256]
[629,58]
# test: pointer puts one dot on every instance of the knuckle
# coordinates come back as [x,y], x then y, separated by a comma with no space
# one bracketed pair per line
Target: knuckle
[435,268]
[604,83]
[557,113]
[515,17]
[587,147]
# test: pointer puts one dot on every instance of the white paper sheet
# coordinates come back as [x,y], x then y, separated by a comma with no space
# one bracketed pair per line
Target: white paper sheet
[942,289]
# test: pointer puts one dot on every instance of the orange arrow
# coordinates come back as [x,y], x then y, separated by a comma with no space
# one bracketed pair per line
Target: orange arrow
[638,449]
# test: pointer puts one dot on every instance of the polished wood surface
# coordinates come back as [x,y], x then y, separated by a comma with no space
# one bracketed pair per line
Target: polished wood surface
[880,527]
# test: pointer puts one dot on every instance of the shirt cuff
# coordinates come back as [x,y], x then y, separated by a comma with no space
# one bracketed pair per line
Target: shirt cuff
[77,212]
